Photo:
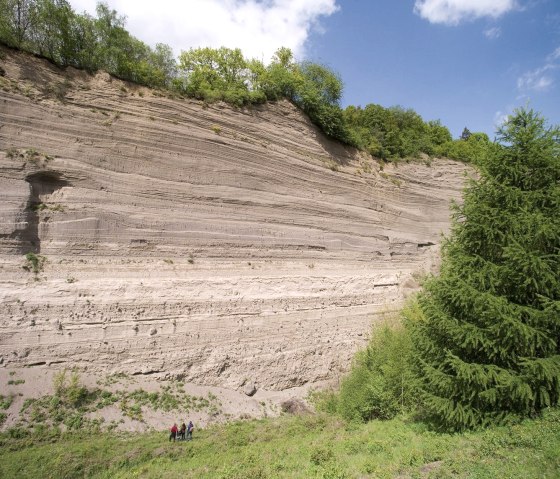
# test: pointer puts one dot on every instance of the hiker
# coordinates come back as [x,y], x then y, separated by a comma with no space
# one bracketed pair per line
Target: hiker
[182,431]
[173,434]
[189,431]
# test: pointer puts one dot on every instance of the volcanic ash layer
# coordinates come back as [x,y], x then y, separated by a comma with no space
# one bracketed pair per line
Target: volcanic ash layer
[215,245]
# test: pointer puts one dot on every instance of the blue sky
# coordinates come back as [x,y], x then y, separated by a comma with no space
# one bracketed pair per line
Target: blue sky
[469,74]
[465,62]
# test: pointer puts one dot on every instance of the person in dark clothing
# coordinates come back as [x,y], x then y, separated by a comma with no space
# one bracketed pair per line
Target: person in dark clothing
[189,431]
[173,434]
[182,431]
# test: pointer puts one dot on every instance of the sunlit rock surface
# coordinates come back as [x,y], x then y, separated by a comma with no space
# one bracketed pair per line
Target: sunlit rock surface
[221,246]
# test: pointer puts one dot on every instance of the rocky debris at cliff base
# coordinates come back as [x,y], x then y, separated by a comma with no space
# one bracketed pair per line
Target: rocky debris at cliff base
[127,398]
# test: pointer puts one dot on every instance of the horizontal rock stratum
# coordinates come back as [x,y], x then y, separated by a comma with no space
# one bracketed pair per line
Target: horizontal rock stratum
[217,245]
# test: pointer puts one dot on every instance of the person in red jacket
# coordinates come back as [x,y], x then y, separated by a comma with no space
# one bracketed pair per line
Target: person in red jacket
[173,434]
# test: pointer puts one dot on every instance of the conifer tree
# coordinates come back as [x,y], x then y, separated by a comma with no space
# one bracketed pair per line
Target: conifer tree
[466,134]
[488,345]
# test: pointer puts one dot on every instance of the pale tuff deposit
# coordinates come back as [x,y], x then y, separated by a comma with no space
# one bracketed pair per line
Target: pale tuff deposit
[232,248]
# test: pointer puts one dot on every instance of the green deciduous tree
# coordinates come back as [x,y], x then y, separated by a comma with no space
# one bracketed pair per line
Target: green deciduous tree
[280,79]
[221,73]
[473,149]
[53,34]
[17,20]
[317,92]
[396,132]
[488,348]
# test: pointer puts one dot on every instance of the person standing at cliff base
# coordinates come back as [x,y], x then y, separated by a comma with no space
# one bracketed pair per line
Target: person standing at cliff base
[190,430]
[173,434]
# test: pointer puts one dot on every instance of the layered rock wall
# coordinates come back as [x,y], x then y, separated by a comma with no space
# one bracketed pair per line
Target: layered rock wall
[215,244]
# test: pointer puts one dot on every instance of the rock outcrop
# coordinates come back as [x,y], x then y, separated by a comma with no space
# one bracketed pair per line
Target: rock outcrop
[221,246]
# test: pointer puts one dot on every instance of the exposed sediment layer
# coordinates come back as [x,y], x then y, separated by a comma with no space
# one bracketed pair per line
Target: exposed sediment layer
[215,244]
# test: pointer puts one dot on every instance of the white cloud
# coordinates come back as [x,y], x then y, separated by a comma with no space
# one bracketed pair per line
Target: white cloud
[555,55]
[539,80]
[492,33]
[500,118]
[258,27]
[453,12]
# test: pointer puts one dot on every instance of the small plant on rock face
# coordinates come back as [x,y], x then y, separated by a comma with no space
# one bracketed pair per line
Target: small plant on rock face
[32,154]
[34,262]
[332,165]
[39,207]
[216,129]
[15,382]
[6,401]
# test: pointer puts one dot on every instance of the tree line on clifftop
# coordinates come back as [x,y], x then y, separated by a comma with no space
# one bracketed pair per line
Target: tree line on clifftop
[52,29]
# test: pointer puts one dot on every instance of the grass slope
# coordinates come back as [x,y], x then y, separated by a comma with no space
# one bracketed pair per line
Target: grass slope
[313,446]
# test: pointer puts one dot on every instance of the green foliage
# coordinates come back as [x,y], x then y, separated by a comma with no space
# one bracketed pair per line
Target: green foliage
[68,405]
[393,133]
[34,262]
[51,28]
[224,74]
[15,382]
[170,398]
[17,19]
[381,383]
[72,403]
[488,346]
[6,401]
[289,447]
[473,148]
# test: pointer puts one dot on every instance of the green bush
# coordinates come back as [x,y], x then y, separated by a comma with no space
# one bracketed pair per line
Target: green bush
[35,262]
[381,382]
[473,149]
[6,401]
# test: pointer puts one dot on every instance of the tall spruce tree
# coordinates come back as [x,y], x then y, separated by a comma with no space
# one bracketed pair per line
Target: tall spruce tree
[488,346]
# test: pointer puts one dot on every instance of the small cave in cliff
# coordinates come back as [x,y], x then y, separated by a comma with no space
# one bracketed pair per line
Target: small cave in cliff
[45,183]
[41,183]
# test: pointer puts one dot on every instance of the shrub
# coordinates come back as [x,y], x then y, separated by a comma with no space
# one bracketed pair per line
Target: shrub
[34,262]
[381,382]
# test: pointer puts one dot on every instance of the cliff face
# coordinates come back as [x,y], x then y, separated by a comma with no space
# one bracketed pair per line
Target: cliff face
[213,244]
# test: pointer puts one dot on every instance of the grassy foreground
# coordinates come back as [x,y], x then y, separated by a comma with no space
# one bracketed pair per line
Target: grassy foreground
[313,446]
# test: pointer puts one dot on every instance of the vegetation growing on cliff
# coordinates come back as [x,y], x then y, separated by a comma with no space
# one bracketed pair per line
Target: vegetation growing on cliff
[52,29]
[481,345]
[489,346]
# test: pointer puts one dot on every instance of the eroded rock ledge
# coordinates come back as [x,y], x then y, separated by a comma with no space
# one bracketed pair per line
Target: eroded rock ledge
[214,244]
